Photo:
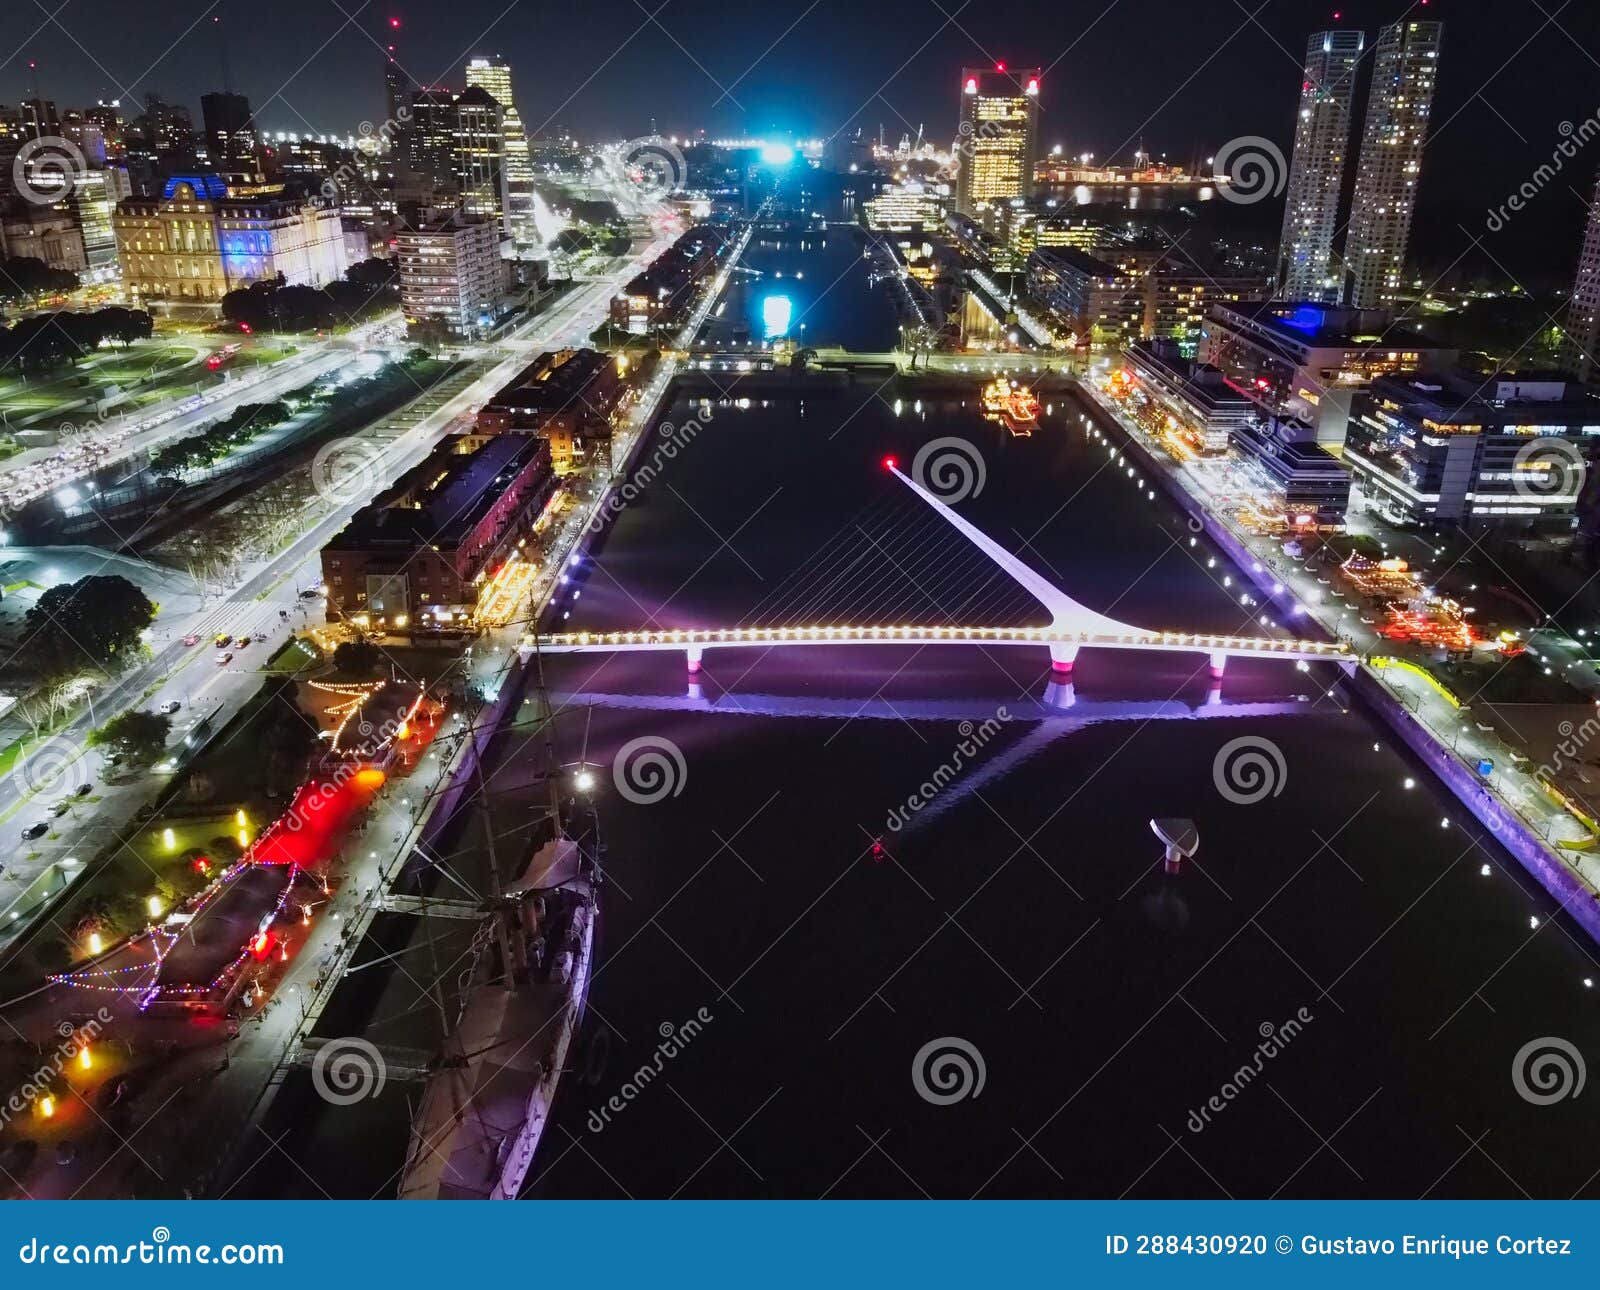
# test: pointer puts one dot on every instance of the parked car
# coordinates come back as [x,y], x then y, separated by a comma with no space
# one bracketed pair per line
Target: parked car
[83,790]
[35,830]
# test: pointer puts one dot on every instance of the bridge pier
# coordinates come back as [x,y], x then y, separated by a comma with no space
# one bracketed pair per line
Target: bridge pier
[1214,692]
[1062,658]
[1060,693]
[694,654]
[1219,661]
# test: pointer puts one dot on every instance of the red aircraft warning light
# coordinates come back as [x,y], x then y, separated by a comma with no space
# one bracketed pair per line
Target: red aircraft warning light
[889,463]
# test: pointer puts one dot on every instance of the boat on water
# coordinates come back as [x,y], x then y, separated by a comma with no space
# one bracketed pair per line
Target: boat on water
[1014,406]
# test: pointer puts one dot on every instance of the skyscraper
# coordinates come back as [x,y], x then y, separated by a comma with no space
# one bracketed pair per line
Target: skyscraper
[1582,358]
[494,76]
[230,130]
[479,155]
[1316,173]
[397,89]
[1405,65]
[997,133]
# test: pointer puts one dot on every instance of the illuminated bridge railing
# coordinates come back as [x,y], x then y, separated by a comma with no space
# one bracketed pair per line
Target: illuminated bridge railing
[733,637]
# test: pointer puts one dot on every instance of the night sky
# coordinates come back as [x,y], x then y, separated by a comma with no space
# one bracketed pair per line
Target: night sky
[1184,76]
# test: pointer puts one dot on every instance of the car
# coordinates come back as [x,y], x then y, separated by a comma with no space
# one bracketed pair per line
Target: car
[169,707]
[310,593]
[34,831]
[221,639]
[83,790]
[192,638]
[240,642]
[224,659]
[261,637]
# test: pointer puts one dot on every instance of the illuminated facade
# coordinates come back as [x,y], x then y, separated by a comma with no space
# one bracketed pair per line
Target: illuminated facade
[1309,361]
[1583,318]
[200,240]
[997,135]
[493,75]
[1507,450]
[1405,64]
[452,274]
[1316,173]
[907,206]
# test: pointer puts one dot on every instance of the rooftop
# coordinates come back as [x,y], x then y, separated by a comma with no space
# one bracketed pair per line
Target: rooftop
[440,499]
[553,382]
[1329,326]
[1543,397]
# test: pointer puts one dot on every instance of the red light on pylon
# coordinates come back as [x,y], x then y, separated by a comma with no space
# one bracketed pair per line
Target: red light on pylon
[395,23]
[999,67]
[889,463]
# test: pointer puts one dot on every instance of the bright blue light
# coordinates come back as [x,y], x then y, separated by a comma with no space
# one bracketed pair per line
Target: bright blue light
[1307,318]
[776,314]
[777,154]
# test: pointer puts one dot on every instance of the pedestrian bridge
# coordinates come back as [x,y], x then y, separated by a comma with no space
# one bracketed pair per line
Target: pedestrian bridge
[1073,626]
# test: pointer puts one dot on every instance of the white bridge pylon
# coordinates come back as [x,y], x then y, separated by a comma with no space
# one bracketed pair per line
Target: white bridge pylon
[1073,626]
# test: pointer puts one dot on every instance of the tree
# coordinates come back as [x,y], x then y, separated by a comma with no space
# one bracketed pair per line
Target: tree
[141,737]
[93,622]
[357,658]
[24,275]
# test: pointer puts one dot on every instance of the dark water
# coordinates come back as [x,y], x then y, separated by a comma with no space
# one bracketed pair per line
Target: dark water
[1024,912]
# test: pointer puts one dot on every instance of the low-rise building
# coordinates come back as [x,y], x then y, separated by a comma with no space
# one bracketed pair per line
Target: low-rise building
[1308,361]
[1506,449]
[568,397]
[1204,410]
[664,294]
[419,554]
[1307,485]
[202,239]
[452,275]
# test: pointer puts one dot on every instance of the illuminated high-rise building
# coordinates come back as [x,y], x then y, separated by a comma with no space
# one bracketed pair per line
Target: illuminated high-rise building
[493,75]
[1316,172]
[1405,65]
[478,155]
[230,131]
[1582,356]
[997,133]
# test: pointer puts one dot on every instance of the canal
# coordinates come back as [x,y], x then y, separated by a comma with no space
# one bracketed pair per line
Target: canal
[826,862]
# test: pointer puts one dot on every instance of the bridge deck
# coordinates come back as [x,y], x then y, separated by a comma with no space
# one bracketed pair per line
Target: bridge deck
[736,637]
